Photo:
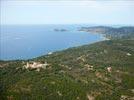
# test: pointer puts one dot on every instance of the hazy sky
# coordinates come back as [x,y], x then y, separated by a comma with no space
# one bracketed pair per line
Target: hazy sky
[67,12]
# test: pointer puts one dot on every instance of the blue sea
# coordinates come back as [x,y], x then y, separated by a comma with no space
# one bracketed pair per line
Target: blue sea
[29,41]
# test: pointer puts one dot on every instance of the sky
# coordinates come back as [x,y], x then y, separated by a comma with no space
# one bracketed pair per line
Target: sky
[113,12]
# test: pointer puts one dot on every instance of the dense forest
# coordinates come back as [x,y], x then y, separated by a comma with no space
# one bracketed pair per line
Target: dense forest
[99,71]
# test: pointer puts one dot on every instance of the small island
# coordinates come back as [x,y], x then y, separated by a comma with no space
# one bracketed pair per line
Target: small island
[60,30]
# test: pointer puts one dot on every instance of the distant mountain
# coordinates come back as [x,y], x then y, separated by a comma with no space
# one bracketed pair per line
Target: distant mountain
[111,32]
[100,71]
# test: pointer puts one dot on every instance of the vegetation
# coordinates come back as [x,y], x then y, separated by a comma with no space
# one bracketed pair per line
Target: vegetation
[100,71]
[111,32]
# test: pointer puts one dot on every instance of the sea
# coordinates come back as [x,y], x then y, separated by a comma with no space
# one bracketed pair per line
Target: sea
[21,42]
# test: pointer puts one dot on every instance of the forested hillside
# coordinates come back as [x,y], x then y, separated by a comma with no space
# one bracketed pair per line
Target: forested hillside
[100,71]
[112,32]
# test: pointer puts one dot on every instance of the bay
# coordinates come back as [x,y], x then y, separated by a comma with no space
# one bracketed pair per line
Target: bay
[30,41]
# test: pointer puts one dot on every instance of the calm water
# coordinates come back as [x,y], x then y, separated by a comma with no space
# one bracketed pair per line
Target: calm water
[24,42]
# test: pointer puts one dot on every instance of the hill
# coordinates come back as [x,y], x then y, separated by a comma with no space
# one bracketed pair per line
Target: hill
[100,71]
[112,32]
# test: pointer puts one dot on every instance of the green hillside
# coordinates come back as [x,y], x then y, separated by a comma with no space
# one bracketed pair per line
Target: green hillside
[100,71]
[112,32]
